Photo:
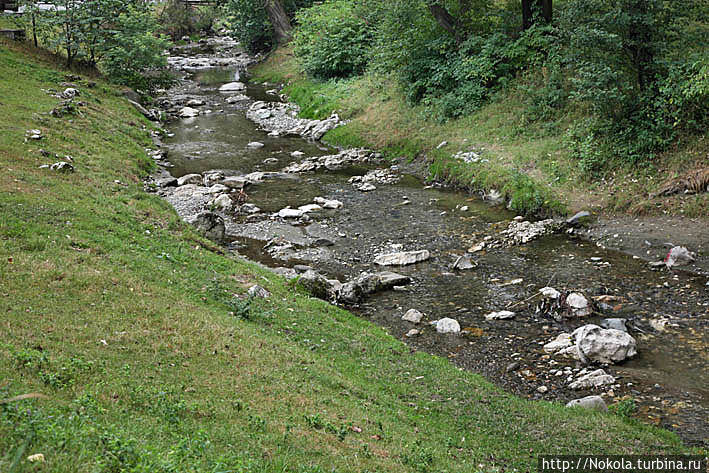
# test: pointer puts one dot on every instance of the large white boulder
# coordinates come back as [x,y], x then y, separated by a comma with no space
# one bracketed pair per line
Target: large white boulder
[447,325]
[603,345]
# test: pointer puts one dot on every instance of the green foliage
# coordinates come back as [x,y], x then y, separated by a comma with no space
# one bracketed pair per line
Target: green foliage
[332,40]
[454,79]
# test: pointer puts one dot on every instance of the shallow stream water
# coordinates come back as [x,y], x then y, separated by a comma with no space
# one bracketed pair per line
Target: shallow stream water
[669,378]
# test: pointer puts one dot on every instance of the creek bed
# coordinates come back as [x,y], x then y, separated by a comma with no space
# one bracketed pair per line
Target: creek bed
[669,378]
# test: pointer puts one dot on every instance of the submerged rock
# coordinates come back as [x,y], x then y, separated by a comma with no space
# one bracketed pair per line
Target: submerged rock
[232,87]
[563,340]
[615,324]
[463,262]
[603,345]
[402,258]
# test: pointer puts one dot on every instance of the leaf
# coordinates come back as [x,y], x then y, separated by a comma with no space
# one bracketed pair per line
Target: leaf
[22,397]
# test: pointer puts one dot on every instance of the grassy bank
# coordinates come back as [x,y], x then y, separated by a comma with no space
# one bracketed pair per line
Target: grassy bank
[529,162]
[148,357]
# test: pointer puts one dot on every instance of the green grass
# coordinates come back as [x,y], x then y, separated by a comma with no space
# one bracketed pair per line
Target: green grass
[528,161]
[137,332]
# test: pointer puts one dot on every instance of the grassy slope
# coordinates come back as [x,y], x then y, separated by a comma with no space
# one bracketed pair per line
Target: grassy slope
[118,313]
[528,162]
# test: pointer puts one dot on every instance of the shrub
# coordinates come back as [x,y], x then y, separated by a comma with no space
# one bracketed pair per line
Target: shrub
[332,40]
[134,55]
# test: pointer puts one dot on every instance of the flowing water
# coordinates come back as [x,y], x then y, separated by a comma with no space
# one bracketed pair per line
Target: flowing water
[669,378]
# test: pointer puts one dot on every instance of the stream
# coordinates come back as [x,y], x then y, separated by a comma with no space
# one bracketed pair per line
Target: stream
[668,378]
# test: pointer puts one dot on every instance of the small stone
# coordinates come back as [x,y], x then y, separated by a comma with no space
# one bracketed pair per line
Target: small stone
[367,187]
[501,315]
[36,458]
[62,167]
[255,145]
[258,291]
[549,293]
[297,154]
[413,332]
[542,389]
[578,304]
[512,367]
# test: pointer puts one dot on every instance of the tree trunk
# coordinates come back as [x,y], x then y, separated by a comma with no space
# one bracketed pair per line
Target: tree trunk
[543,8]
[444,19]
[282,28]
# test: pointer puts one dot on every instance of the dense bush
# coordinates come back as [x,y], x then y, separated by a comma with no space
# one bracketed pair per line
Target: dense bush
[332,40]
[456,79]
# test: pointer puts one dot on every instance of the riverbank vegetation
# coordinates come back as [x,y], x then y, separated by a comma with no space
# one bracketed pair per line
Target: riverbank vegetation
[608,97]
[128,343]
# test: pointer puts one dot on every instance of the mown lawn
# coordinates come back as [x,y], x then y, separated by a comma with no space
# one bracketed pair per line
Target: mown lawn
[136,333]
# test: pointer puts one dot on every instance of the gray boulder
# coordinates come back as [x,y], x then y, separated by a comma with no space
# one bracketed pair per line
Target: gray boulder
[258,291]
[235,182]
[195,179]
[369,283]
[594,379]
[595,403]
[210,224]
[188,112]
[402,258]
[317,285]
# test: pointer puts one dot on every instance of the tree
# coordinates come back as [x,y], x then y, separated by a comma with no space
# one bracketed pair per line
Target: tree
[532,9]
[282,29]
